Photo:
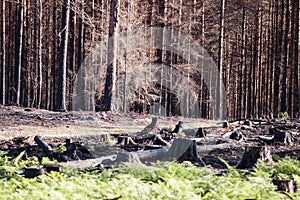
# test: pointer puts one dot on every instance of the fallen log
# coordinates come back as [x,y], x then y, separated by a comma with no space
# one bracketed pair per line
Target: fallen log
[179,149]
[32,172]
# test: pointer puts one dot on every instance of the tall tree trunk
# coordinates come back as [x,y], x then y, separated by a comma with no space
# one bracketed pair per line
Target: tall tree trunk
[61,104]
[111,68]
[72,55]
[259,62]
[286,58]
[40,68]
[54,57]
[3,75]
[220,95]
[242,66]
[296,67]
[20,49]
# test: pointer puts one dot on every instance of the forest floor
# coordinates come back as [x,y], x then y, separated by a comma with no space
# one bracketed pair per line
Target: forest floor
[19,126]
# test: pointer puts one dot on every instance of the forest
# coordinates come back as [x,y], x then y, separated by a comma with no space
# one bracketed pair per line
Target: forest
[212,59]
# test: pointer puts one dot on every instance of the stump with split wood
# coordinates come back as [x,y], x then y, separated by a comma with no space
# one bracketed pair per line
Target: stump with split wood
[251,156]
[285,185]
[282,136]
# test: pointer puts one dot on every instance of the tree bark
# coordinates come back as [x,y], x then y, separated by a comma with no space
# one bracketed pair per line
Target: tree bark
[61,104]
[40,68]
[286,58]
[20,49]
[219,102]
[54,57]
[111,57]
[3,75]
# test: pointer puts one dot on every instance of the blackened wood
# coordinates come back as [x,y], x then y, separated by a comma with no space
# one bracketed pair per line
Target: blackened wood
[178,128]
[46,148]
[149,127]
[200,133]
[285,185]
[251,156]
[236,136]
[191,154]
[32,172]
[281,136]
[53,167]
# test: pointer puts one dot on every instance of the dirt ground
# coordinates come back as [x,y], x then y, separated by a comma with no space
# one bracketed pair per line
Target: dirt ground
[18,126]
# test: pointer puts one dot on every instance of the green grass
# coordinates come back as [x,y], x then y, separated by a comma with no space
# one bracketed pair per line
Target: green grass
[160,181]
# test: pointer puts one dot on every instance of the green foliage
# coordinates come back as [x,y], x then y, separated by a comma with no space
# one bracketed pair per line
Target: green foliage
[135,181]
[283,115]
[60,149]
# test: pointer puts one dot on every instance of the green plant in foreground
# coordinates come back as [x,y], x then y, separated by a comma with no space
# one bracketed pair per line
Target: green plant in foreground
[134,181]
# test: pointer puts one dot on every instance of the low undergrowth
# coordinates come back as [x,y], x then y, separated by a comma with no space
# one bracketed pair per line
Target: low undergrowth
[160,181]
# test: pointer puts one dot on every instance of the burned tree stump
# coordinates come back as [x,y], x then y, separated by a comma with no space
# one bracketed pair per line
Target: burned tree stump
[149,128]
[285,185]
[251,156]
[200,133]
[46,148]
[281,136]
[178,128]
[191,154]
[169,134]
[236,136]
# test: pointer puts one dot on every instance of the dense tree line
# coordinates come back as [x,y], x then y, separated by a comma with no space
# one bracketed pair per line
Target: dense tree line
[254,44]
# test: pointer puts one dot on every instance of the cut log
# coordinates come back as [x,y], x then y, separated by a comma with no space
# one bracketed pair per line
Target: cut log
[181,150]
[285,185]
[251,156]
[52,167]
[32,172]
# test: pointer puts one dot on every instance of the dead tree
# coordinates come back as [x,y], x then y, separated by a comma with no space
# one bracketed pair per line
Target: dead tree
[111,56]
[63,51]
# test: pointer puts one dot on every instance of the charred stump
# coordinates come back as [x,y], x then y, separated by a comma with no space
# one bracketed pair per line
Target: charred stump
[46,148]
[251,156]
[285,185]
[191,155]
[200,133]
[178,128]
[149,128]
[282,136]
